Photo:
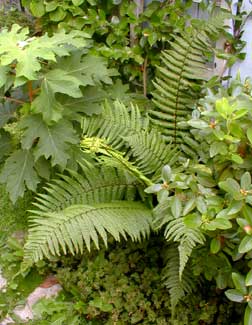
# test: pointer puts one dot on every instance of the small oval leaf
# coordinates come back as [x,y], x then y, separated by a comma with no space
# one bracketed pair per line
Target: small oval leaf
[248,316]
[234,295]
[249,135]
[245,245]
[166,173]
[176,207]
[246,181]
[248,280]
[215,245]
[239,282]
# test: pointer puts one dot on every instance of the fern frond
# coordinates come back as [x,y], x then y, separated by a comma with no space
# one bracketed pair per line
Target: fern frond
[150,152]
[94,185]
[175,95]
[121,129]
[114,123]
[69,230]
[188,238]
[178,287]
[179,82]
[98,146]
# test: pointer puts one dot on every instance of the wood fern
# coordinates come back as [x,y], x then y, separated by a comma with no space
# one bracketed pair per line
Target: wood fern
[179,82]
[178,286]
[69,230]
[118,128]
[76,209]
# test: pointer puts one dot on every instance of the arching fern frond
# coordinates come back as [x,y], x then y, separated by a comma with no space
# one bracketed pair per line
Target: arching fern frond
[69,230]
[94,185]
[178,84]
[188,238]
[121,129]
[180,78]
[150,152]
[98,146]
[114,123]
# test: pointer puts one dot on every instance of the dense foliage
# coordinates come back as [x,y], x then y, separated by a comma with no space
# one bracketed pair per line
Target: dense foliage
[108,165]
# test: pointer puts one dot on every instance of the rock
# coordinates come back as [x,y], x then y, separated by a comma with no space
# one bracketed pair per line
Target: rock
[3,282]
[47,289]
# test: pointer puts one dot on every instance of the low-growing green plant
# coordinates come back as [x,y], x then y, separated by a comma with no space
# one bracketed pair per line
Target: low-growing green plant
[123,285]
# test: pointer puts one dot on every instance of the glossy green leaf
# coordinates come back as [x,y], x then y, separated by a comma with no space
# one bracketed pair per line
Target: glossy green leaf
[249,134]
[247,213]
[239,282]
[237,159]
[201,204]
[248,316]
[215,245]
[246,181]
[218,148]
[77,2]
[153,188]
[234,295]
[190,205]
[223,107]
[234,207]
[238,114]
[249,199]
[246,244]
[166,173]
[231,186]
[37,8]
[248,280]
[192,220]
[58,14]
[218,223]
[176,207]
[198,124]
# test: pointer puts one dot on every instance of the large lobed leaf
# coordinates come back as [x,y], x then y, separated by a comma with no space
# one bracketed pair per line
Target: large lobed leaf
[51,141]
[19,171]
[67,76]
[16,46]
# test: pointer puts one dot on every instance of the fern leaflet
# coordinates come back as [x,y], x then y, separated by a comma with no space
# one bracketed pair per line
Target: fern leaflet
[52,233]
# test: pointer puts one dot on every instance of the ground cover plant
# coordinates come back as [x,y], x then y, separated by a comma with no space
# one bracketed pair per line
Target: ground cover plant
[173,175]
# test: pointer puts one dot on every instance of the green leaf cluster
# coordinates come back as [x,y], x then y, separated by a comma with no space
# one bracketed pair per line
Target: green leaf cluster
[47,85]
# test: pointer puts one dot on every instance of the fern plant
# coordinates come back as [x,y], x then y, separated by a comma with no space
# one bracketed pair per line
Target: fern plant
[179,83]
[77,208]
[107,194]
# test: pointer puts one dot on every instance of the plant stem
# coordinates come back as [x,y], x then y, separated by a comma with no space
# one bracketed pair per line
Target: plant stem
[145,77]
[13,99]
[30,90]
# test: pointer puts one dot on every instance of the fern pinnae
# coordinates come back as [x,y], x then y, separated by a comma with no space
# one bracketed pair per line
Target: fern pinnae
[71,228]
[178,83]
[97,185]
[188,239]
[114,123]
[178,287]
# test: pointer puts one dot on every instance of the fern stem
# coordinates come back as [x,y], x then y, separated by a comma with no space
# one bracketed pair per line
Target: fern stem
[97,145]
